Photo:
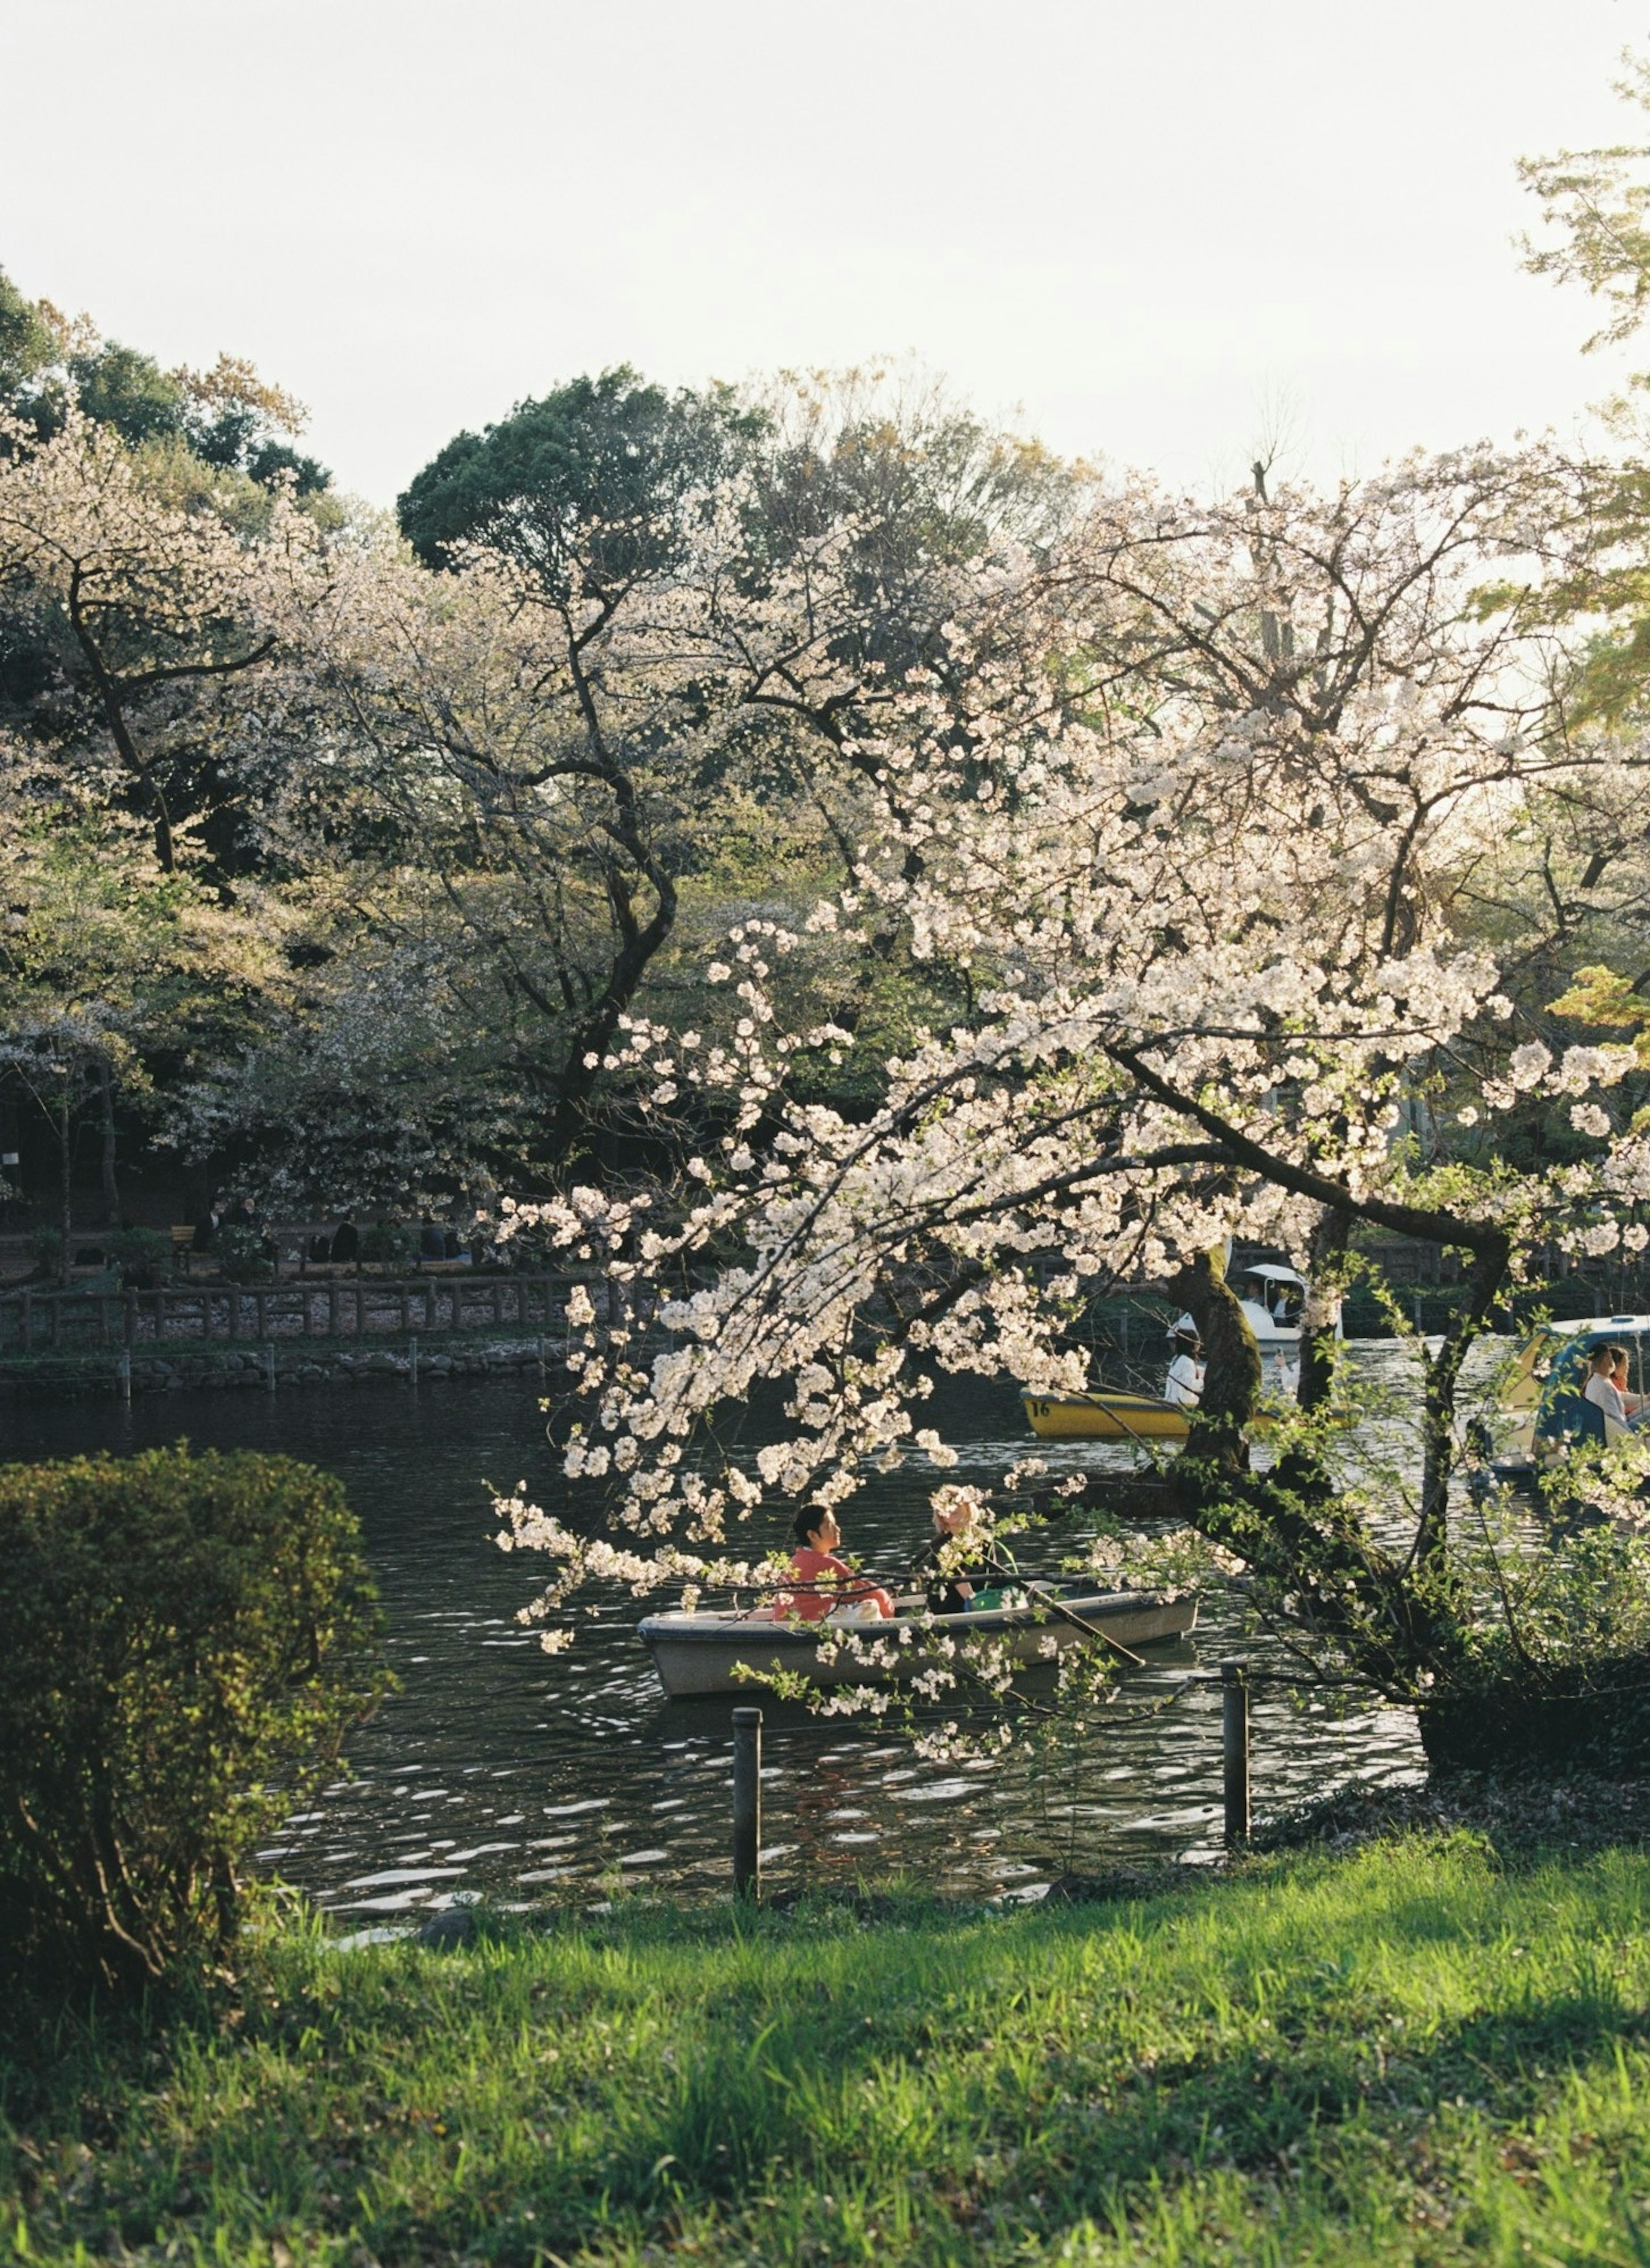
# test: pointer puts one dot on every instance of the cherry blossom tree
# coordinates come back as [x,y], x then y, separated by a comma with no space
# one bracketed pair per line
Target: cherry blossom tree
[528,792]
[1200,841]
[146,606]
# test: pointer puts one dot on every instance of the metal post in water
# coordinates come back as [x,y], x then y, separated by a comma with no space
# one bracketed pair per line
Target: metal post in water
[126,1373]
[412,1365]
[269,1352]
[1234,1742]
[747,1803]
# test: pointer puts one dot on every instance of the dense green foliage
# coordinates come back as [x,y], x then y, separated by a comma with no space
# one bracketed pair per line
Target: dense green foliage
[225,417]
[585,484]
[1407,2055]
[187,1640]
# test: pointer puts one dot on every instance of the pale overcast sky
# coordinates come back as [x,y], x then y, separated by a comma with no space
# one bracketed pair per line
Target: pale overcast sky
[1146,226]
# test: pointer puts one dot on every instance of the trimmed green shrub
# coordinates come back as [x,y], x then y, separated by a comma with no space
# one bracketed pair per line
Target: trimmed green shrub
[188,1640]
[390,1243]
[143,1256]
[242,1255]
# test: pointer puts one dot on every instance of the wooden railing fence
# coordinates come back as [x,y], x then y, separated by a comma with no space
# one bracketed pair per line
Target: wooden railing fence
[343,1307]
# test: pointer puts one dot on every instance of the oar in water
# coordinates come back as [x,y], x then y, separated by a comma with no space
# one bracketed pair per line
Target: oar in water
[1092,1629]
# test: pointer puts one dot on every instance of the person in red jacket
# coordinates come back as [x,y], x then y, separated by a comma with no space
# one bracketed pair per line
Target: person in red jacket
[831,1582]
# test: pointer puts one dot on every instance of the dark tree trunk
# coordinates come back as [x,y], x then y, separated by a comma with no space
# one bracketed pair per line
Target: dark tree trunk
[111,1187]
[65,1190]
[1484,1279]
[1325,1275]
[1232,1365]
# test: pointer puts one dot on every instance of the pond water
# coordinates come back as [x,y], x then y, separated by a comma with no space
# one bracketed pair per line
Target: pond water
[500,1770]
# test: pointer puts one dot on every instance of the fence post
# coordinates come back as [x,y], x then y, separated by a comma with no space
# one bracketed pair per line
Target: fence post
[269,1351]
[412,1362]
[1235,1742]
[747,1803]
[28,1322]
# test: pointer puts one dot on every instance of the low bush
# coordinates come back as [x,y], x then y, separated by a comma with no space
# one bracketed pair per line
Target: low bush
[143,1256]
[1552,1672]
[187,1641]
[244,1255]
[390,1243]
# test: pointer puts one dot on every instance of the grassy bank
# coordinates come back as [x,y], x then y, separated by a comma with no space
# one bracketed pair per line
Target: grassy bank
[1411,2052]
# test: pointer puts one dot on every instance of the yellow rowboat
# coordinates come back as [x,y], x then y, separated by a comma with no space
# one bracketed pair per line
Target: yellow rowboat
[1106,1417]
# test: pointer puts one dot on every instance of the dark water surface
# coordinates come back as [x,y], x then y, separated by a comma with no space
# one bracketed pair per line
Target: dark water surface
[499,1769]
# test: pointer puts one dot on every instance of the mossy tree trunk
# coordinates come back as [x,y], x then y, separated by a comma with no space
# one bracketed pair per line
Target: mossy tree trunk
[1232,1366]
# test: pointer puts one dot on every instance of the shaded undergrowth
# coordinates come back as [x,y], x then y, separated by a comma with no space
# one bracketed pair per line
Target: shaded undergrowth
[1411,2052]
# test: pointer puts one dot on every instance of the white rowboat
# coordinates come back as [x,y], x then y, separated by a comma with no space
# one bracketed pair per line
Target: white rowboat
[701,1653]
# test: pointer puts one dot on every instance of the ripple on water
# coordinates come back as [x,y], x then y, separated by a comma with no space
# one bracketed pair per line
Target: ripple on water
[620,1778]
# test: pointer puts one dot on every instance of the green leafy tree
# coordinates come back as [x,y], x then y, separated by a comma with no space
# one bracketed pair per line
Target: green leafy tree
[113,975]
[587,489]
[228,418]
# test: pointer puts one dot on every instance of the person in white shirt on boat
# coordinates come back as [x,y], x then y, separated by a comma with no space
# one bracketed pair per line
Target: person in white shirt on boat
[1603,1393]
[1634,1404]
[1183,1386]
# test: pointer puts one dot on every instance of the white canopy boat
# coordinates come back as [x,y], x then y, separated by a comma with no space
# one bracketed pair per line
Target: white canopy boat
[701,1652]
[1271,1297]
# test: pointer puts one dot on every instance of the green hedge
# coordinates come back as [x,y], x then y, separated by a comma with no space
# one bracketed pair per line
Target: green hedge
[187,1641]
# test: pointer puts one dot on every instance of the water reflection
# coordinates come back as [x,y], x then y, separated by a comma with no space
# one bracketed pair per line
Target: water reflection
[497,1770]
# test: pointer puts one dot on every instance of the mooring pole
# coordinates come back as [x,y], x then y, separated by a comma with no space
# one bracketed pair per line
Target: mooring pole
[1235,1740]
[270,1357]
[126,1373]
[412,1359]
[747,1803]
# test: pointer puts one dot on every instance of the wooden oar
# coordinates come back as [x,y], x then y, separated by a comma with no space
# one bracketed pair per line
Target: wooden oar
[1091,1629]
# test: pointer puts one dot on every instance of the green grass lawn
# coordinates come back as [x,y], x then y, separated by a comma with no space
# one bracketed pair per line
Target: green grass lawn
[1409,2053]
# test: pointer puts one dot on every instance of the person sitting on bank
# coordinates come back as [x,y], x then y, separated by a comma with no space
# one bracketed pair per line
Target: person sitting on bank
[962,1559]
[346,1238]
[1183,1386]
[831,1582]
[1603,1393]
[432,1241]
